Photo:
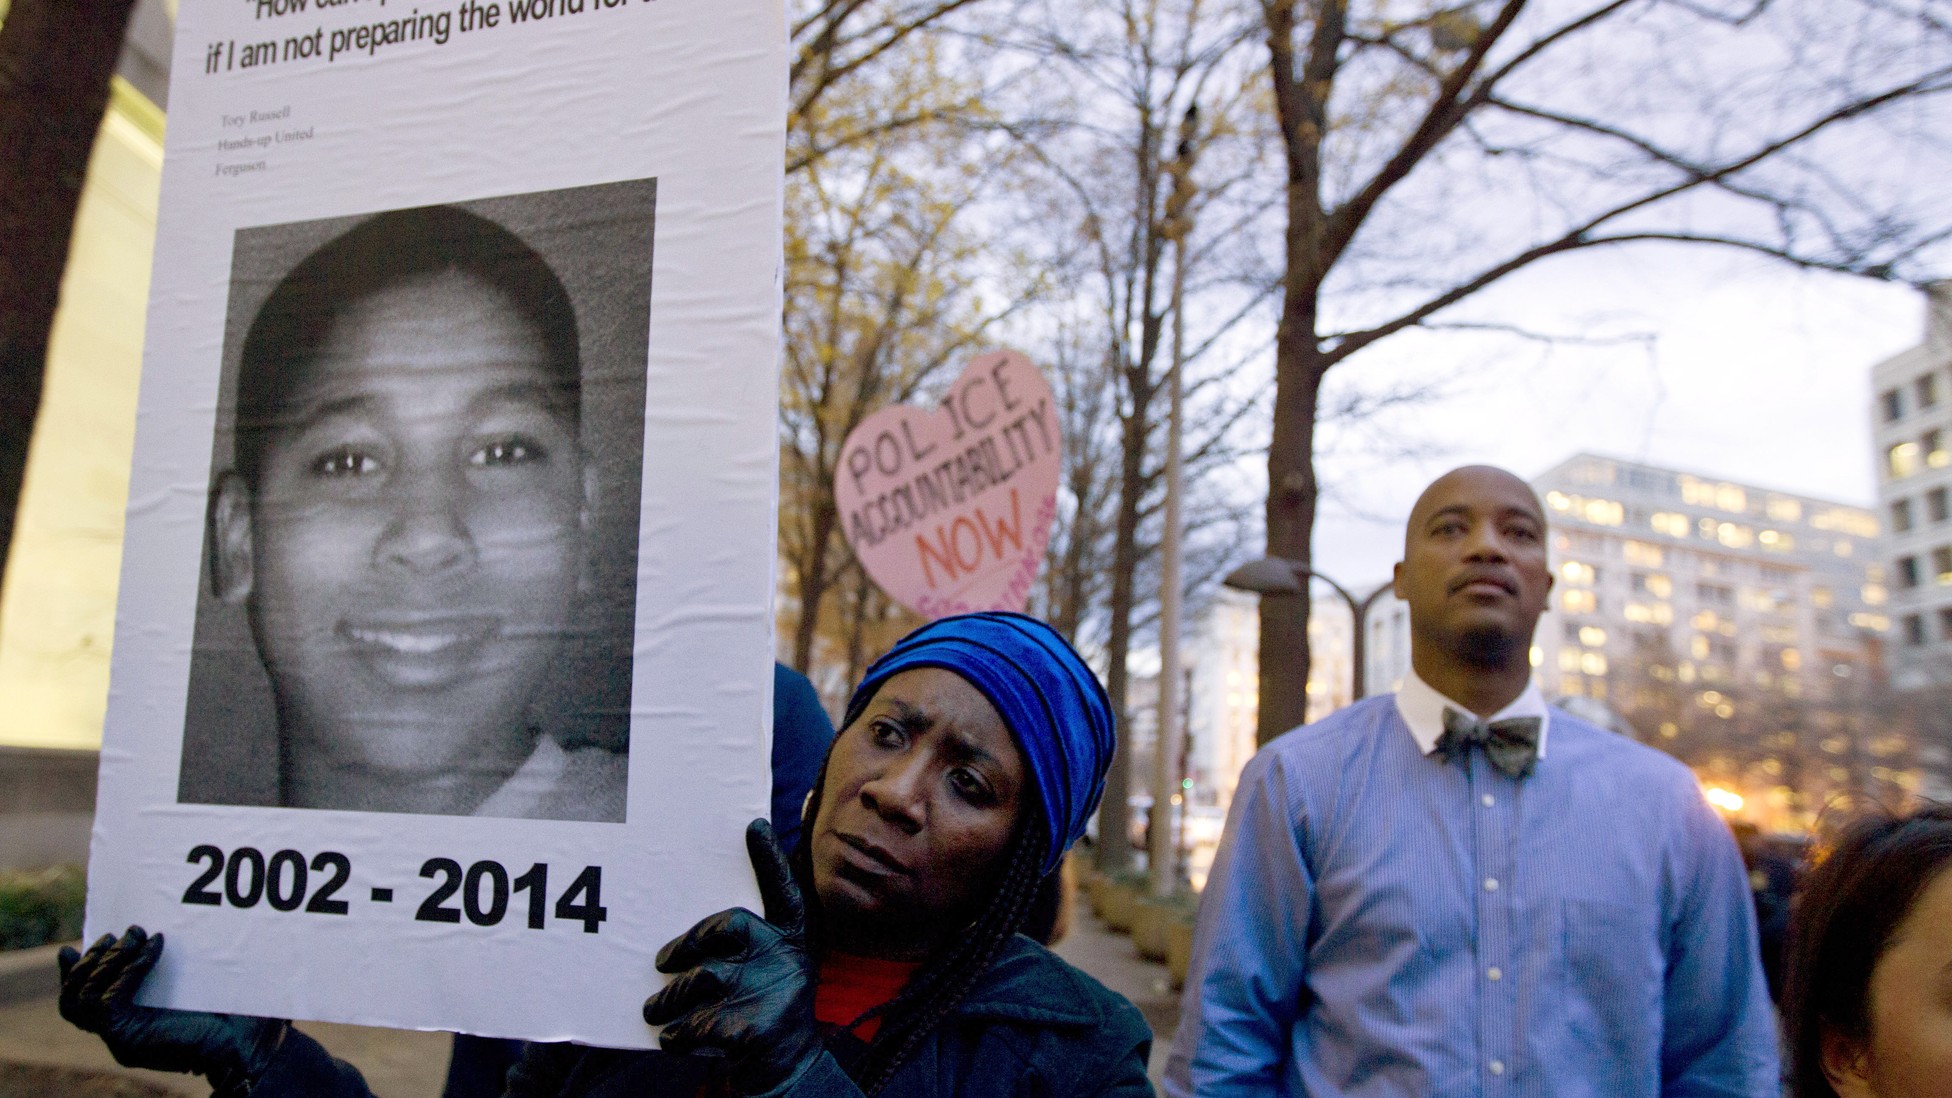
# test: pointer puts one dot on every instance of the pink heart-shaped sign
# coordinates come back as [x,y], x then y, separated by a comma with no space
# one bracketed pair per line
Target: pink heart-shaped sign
[950,510]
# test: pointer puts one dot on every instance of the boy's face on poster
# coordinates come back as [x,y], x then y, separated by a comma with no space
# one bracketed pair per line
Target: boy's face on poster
[412,551]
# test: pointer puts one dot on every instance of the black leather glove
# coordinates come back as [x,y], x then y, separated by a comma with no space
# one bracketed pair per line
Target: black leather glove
[98,993]
[744,985]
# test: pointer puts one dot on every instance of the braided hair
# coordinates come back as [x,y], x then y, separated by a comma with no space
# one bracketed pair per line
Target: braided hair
[948,974]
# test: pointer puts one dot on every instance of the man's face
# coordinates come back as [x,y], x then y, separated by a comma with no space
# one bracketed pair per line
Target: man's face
[413,548]
[1474,568]
[921,799]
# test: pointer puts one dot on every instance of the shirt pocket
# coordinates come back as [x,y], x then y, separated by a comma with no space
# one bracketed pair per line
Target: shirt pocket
[1614,968]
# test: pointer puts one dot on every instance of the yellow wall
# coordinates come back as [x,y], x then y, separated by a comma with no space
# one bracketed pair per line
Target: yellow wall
[57,613]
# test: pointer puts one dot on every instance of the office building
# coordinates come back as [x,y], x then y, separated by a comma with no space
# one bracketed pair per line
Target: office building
[1739,627]
[1911,422]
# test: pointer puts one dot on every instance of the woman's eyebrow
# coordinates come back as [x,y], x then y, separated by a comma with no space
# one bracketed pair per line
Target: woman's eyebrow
[912,718]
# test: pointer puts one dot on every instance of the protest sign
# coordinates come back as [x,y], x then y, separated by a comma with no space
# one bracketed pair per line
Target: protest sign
[950,510]
[442,676]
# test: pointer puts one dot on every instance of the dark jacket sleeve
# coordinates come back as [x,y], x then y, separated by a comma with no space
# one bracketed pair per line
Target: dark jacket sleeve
[801,735]
[303,1069]
[543,1071]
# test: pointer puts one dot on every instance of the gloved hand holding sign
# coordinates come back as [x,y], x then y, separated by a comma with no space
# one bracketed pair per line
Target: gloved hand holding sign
[744,985]
[98,994]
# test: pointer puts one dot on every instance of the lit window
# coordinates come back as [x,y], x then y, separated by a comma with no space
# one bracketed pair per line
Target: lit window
[1578,572]
[1784,509]
[1572,686]
[1902,460]
[1579,602]
[1604,512]
[1876,623]
[1569,659]
[1823,598]
[1592,636]
[1792,659]
[1699,493]
[1734,535]
[1842,548]
[1641,553]
[1942,564]
[1672,524]
[1642,613]
[1699,647]
[1558,501]
[1728,497]
[1776,540]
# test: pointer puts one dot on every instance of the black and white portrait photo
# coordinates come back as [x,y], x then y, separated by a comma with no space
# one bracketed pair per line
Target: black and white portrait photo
[421,538]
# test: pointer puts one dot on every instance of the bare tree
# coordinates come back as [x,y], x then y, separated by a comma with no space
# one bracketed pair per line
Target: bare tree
[1126,73]
[56,58]
[1432,150]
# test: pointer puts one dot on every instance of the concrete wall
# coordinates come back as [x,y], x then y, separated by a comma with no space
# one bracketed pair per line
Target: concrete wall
[47,805]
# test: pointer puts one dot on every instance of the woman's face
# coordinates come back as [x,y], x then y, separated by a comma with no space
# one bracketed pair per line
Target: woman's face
[413,545]
[921,800]
[1909,1054]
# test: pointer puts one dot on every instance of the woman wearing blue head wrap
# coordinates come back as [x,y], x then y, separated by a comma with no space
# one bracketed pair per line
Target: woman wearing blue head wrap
[970,758]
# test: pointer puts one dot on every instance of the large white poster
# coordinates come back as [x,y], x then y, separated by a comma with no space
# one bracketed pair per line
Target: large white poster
[443,664]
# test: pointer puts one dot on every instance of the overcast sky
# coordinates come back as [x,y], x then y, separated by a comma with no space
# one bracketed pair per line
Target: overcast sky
[1753,372]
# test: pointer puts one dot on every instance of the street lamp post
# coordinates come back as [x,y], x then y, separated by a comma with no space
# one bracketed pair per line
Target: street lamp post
[1280,576]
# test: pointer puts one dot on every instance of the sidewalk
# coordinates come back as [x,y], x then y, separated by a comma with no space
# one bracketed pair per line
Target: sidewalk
[1110,958]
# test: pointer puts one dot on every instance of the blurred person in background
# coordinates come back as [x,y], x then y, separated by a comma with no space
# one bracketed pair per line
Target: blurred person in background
[1458,890]
[1868,1002]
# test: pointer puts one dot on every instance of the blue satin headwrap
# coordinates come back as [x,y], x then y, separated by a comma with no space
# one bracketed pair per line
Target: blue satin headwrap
[1052,703]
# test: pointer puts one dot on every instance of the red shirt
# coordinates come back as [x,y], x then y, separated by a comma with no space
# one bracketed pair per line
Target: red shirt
[849,986]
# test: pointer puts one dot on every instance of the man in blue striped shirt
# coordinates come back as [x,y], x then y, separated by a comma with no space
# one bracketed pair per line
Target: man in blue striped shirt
[1457,890]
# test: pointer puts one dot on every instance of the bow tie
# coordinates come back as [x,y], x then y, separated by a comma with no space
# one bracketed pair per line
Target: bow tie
[1511,744]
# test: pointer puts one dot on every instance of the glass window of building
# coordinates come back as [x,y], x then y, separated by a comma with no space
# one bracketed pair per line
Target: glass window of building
[1934,446]
[1902,460]
[1927,387]
[1907,572]
[1937,506]
[1945,623]
[1714,594]
[1942,564]
[1894,404]
[1914,630]
[1900,515]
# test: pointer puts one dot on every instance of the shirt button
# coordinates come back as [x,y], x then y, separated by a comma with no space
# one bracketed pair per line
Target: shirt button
[1489,800]
[1491,884]
[1497,1067]
[1494,973]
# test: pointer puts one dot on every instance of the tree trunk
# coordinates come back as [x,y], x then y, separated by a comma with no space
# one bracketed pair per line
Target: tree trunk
[1115,811]
[1301,105]
[56,58]
[813,578]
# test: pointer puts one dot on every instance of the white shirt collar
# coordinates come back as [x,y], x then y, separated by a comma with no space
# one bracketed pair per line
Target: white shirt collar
[520,795]
[1422,709]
